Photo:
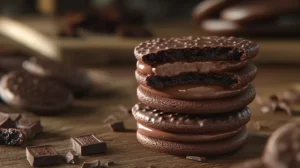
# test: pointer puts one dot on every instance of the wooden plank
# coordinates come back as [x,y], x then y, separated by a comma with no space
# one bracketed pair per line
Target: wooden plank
[87,117]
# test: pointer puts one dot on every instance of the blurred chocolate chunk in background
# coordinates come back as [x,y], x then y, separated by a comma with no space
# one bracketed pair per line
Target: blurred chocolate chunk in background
[109,18]
[249,17]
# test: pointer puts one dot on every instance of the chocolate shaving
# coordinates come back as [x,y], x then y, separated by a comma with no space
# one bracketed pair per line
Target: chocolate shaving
[72,158]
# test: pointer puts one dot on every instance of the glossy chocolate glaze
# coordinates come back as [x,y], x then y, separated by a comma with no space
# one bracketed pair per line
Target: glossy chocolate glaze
[168,136]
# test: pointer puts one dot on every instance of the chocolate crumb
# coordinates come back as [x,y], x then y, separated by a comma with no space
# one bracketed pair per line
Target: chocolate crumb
[117,126]
[197,158]
[257,125]
[12,136]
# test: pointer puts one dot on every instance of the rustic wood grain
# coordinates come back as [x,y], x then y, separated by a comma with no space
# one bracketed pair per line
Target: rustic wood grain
[87,115]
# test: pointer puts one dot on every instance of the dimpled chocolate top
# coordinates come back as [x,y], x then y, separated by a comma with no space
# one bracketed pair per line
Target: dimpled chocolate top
[23,88]
[184,123]
[190,49]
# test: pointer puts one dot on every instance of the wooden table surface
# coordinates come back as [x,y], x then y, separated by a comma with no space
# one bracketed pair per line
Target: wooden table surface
[118,88]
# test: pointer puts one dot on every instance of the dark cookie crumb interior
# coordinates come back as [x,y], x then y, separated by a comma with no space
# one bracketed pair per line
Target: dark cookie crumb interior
[160,82]
[193,55]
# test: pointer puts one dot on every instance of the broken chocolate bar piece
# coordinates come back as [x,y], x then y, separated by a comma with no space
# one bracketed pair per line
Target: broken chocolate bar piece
[117,126]
[42,156]
[88,145]
[72,158]
[5,121]
[30,124]
[14,116]
[92,164]
[12,136]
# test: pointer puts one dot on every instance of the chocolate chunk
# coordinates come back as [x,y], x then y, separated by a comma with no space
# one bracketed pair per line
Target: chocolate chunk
[42,156]
[196,158]
[5,121]
[291,96]
[257,125]
[268,106]
[92,164]
[285,106]
[72,157]
[12,136]
[30,124]
[15,116]
[88,145]
[117,126]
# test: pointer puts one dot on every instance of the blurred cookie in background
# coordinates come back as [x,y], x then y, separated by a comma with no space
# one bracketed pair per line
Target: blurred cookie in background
[76,79]
[227,28]
[271,18]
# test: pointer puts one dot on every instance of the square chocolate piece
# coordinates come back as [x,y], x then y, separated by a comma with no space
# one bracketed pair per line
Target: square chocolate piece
[88,145]
[42,156]
[5,121]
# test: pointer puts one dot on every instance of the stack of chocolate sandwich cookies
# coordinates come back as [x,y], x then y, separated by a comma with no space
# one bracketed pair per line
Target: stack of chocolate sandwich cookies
[193,94]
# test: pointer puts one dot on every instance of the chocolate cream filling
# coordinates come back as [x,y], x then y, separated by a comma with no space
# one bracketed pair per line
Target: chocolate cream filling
[167,136]
[196,91]
[173,69]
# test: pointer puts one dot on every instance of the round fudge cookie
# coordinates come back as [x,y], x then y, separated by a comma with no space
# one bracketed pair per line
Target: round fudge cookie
[75,79]
[228,80]
[195,49]
[209,8]
[40,95]
[248,11]
[194,149]
[251,164]
[213,106]
[183,137]
[188,123]
[283,147]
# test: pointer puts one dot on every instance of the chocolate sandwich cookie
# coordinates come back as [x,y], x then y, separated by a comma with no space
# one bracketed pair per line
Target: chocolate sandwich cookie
[283,147]
[43,96]
[200,85]
[213,106]
[248,11]
[194,149]
[210,8]
[190,124]
[195,49]
[74,78]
